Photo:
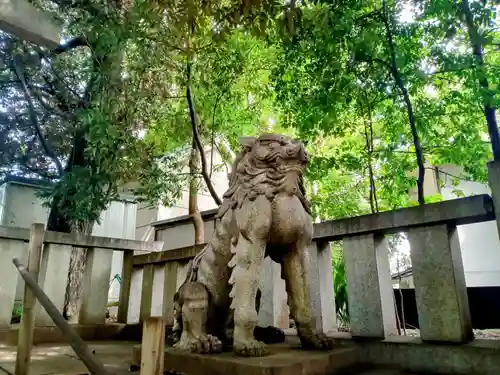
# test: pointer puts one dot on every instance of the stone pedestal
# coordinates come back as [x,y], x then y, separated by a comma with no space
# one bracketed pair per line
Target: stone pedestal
[284,359]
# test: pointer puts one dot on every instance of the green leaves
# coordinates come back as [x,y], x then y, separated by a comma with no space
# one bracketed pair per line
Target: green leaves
[319,71]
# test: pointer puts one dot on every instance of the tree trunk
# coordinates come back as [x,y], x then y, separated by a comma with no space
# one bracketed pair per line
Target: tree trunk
[57,222]
[105,81]
[76,272]
[409,107]
[369,152]
[194,212]
[196,137]
[488,96]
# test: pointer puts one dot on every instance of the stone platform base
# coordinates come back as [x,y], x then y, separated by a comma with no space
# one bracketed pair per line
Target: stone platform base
[284,359]
[52,334]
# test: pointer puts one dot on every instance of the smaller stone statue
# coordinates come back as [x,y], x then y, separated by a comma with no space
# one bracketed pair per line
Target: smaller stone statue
[264,213]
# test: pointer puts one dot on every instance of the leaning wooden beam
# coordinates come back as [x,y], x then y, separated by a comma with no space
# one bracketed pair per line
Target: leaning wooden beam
[22,19]
[81,349]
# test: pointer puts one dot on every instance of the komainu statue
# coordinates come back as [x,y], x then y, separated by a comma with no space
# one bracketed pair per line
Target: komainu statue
[264,213]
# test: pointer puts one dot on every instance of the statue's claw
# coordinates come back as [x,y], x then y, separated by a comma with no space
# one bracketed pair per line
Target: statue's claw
[251,348]
[317,341]
[204,344]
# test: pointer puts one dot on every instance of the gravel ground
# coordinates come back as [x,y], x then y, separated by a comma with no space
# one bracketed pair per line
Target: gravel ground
[487,334]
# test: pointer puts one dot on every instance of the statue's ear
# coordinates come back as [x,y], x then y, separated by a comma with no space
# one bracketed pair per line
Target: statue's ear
[247,141]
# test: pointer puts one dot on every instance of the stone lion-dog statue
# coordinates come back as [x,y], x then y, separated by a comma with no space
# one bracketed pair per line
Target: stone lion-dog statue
[264,213]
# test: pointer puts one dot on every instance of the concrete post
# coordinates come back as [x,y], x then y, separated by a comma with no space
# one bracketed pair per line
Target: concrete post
[494,182]
[321,287]
[273,303]
[53,279]
[9,277]
[96,286]
[371,297]
[440,291]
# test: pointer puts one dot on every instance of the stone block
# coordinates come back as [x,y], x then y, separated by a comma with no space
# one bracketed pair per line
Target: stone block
[474,209]
[96,286]
[440,290]
[321,286]
[9,276]
[53,279]
[327,295]
[273,303]
[371,298]
[284,359]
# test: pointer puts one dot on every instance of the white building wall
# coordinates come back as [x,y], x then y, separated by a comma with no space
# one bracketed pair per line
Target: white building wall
[22,208]
[479,242]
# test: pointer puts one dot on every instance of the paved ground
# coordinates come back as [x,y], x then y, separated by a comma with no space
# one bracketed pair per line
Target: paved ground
[53,359]
[60,359]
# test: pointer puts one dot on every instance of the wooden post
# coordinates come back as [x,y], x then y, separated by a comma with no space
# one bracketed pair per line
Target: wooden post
[25,340]
[147,292]
[128,262]
[169,289]
[81,349]
[153,346]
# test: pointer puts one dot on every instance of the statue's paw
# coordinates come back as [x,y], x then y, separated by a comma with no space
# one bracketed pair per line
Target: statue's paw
[269,335]
[317,341]
[204,344]
[251,348]
[214,345]
[172,339]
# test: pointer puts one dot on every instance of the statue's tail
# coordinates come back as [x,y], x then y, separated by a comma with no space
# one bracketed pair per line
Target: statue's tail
[192,273]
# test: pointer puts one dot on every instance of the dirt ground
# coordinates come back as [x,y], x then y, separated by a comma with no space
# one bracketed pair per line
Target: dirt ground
[56,359]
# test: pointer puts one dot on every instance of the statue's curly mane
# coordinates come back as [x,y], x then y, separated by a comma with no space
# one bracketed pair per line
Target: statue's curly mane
[253,175]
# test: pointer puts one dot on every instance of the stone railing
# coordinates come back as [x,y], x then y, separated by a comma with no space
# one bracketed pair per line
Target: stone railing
[439,279]
[47,255]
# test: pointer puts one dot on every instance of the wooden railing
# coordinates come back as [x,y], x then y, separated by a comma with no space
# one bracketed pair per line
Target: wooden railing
[49,262]
[436,260]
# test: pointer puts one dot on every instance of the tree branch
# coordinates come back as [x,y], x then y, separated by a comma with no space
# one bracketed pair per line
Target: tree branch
[453,70]
[50,153]
[79,41]
[196,136]
[398,80]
